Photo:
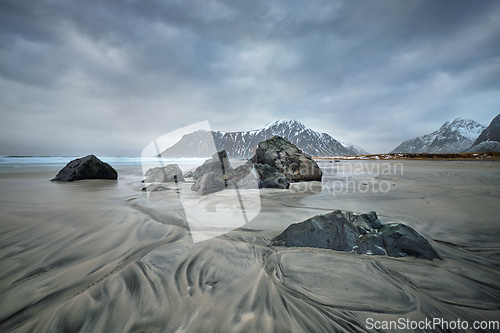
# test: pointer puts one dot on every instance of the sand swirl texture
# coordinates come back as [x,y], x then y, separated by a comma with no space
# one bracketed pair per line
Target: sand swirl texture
[99,256]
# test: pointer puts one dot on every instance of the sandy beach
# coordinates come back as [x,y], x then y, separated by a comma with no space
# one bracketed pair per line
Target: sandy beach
[100,256]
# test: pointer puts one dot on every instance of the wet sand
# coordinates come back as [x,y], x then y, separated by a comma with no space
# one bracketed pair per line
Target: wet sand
[99,256]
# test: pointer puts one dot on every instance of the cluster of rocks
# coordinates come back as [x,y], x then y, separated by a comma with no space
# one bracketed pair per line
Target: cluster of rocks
[276,163]
[361,233]
[216,174]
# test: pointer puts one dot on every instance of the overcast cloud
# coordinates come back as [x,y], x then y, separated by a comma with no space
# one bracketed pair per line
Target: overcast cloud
[108,77]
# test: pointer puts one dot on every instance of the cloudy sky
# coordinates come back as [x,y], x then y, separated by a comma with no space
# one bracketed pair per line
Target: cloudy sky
[108,77]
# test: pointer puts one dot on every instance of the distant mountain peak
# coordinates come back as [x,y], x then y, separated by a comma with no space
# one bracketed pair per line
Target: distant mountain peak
[283,122]
[465,123]
[452,137]
[243,144]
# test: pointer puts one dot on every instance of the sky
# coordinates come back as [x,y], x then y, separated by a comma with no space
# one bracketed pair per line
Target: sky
[108,77]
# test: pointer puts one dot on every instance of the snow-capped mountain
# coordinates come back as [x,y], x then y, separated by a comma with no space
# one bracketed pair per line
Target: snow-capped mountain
[243,144]
[489,139]
[452,137]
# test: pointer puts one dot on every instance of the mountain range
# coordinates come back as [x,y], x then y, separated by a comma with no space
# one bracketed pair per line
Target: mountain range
[454,137]
[243,144]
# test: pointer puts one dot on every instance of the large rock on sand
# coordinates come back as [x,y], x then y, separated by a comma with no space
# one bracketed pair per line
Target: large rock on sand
[281,154]
[167,173]
[88,167]
[218,164]
[250,175]
[245,176]
[401,240]
[242,177]
[270,177]
[208,183]
[365,233]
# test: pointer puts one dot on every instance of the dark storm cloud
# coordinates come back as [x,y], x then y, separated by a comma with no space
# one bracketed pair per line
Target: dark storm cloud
[120,73]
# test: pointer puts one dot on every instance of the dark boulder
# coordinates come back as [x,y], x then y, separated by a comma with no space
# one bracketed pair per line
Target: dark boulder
[218,164]
[208,183]
[365,234]
[250,175]
[88,167]
[242,177]
[329,231]
[401,240]
[167,173]
[281,154]
[245,176]
[371,243]
[270,177]
[371,219]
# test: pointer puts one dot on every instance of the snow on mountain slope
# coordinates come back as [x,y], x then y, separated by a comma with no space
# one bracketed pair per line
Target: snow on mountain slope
[243,144]
[354,150]
[489,139]
[452,137]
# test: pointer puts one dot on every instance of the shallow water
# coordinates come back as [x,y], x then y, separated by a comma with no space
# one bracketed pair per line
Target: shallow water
[99,256]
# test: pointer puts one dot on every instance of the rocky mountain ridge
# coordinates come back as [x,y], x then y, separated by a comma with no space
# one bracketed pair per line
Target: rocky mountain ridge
[454,137]
[243,144]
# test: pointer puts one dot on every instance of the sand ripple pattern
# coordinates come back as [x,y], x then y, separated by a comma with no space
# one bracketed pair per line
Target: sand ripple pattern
[129,265]
[224,285]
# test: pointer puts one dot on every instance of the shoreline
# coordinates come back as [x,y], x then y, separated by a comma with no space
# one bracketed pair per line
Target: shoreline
[417,156]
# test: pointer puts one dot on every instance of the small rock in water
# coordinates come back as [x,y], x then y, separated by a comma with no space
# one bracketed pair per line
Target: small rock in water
[364,233]
[156,188]
[88,167]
